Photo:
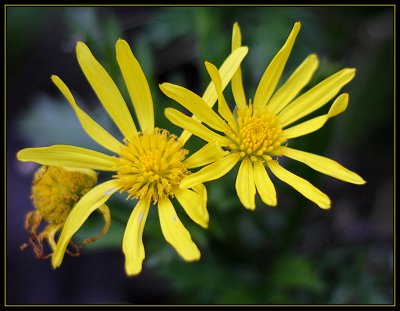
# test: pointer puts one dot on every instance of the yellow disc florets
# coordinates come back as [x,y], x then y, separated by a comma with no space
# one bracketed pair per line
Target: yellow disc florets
[56,190]
[151,165]
[257,134]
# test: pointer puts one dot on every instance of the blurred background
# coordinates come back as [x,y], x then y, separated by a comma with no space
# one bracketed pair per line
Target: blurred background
[293,254]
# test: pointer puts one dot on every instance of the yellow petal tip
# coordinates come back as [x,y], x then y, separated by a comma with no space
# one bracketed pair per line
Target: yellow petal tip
[162,85]
[250,208]
[20,155]
[351,71]
[245,48]
[132,272]
[207,64]
[80,45]
[273,204]
[55,263]
[361,181]
[204,225]
[325,206]
[194,257]
[120,43]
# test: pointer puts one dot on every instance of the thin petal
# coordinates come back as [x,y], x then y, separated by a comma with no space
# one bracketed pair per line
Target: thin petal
[175,233]
[137,85]
[195,127]
[105,212]
[301,185]
[274,70]
[132,244]
[264,185]
[237,83]
[210,152]
[309,126]
[49,232]
[211,172]
[106,90]
[293,85]
[323,165]
[192,203]
[245,187]
[201,190]
[92,128]
[78,215]
[194,104]
[65,155]
[226,71]
[316,97]
[223,108]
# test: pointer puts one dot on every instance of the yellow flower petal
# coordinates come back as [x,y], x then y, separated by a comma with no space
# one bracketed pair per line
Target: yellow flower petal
[49,233]
[175,233]
[201,190]
[264,185]
[226,71]
[105,212]
[223,108]
[274,70]
[237,84]
[137,85]
[195,127]
[65,155]
[301,185]
[323,165]
[309,126]
[78,215]
[92,128]
[194,104]
[192,203]
[245,186]
[132,244]
[210,152]
[316,97]
[106,90]
[293,85]
[211,172]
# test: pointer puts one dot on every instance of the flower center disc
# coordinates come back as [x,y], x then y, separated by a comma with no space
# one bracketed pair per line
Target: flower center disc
[257,133]
[55,191]
[151,165]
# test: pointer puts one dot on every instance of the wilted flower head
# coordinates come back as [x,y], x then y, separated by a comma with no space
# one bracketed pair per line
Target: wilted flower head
[55,192]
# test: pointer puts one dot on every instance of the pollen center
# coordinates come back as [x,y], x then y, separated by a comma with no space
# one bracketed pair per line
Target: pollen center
[56,190]
[257,134]
[151,165]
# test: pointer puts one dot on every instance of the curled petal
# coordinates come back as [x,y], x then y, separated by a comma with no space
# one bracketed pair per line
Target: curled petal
[78,215]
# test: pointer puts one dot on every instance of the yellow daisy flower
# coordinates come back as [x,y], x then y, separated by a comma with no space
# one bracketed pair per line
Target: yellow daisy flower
[55,191]
[257,133]
[149,164]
